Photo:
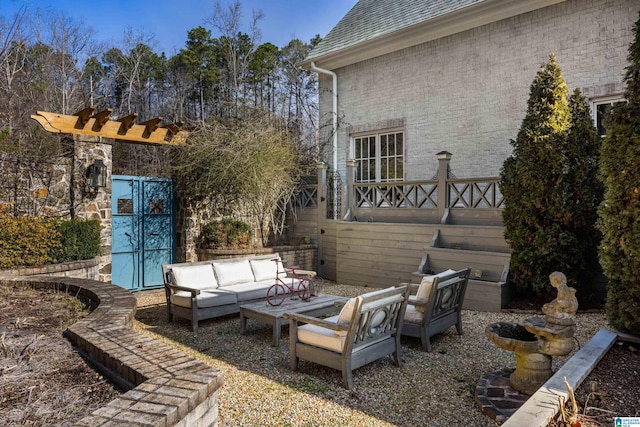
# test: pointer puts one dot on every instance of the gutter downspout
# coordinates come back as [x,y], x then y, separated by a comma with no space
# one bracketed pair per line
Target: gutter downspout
[334,76]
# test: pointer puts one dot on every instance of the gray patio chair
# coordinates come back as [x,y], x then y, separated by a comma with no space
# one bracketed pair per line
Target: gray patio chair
[435,305]
[367,329]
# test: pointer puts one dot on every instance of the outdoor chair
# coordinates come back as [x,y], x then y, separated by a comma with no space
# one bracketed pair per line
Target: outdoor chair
[367,329]
[435,305]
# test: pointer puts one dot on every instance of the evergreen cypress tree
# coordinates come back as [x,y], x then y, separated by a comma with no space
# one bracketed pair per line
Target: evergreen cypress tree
[584,193]
[620,211]
[531,182]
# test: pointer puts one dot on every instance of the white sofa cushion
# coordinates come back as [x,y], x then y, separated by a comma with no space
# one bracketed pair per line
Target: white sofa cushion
[198,276]
[321,337]
[233,272]
[250,291]
[266,269]
[211,298]
[425,286]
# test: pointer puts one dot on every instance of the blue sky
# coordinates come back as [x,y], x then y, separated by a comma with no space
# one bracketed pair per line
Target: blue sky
[169,20]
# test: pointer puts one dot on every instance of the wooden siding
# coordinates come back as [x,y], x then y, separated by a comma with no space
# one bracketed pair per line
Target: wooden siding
[384,254]
[379,254]
[475,238]
[327,252]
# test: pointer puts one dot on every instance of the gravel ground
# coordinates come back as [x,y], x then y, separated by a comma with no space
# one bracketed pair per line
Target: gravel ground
[430,389]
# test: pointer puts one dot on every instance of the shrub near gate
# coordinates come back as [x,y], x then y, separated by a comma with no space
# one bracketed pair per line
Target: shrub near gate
[27,241]
[226,234]
[36,241]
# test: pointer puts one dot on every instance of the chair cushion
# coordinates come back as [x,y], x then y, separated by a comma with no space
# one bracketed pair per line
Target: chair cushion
[194,276]
[425,286]
[318,336]
[345,315]
[207,298]
[266,269]
[411,315]
[233,272]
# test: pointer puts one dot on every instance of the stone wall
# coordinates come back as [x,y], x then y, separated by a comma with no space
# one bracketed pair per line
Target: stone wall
[304,256]
[57,188]
[86,269]
[467,93]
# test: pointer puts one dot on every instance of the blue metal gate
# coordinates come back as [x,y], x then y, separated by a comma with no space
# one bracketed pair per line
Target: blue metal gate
[143,230]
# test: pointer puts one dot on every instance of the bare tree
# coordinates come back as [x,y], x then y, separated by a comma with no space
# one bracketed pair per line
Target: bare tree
[238,48]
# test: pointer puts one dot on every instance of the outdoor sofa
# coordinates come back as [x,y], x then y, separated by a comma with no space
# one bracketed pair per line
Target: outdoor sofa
[206,289]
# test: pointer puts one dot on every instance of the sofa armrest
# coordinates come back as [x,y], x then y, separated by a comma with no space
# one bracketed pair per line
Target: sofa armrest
[172,287]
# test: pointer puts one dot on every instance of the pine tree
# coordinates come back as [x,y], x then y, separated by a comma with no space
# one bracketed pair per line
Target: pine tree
[620,211]
[531,182]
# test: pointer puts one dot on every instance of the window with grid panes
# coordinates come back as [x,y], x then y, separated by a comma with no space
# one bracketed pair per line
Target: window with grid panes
[379,157]
[600,108]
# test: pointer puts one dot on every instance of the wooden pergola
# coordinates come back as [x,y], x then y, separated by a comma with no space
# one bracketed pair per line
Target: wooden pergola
[86,122]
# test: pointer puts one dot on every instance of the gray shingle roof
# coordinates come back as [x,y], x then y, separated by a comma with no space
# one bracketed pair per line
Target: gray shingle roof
[370,19]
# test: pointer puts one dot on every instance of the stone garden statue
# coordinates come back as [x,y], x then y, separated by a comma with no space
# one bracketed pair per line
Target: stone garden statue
[562,310]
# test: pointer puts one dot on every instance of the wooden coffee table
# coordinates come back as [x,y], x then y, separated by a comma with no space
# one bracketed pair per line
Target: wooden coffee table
[272,315]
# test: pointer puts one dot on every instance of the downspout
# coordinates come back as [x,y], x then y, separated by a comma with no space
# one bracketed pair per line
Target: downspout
[334,76]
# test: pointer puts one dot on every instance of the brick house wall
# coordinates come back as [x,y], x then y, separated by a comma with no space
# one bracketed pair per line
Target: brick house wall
[467,93]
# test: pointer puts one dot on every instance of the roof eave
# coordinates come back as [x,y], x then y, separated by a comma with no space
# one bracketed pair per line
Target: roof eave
[463,19]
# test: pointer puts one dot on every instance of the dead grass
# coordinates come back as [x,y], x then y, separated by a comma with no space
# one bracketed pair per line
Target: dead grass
[44,381]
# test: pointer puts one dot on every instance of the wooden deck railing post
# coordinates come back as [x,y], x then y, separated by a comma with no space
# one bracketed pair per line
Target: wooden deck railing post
[322,211]
[444,157]
[350,196]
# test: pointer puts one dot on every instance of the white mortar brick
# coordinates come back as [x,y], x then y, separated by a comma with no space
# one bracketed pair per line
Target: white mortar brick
[467,93]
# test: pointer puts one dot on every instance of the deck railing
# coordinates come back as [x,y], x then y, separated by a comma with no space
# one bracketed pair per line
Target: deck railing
[435,198]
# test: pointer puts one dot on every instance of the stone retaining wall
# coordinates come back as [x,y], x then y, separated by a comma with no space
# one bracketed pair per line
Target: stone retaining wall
[164,387]
[85,269]
[304,256]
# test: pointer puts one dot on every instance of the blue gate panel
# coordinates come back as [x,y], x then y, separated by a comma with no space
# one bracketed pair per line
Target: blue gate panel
[143,230]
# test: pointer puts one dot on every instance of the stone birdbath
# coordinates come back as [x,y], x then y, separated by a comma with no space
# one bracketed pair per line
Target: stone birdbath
[535,340]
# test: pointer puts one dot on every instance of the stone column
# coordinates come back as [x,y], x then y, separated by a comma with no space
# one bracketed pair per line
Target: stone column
[94,204]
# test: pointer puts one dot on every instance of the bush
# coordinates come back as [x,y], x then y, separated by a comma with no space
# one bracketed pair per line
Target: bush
[36,241]
[79,239]
[619,213]
[226,234]
[27,241]
[550,189]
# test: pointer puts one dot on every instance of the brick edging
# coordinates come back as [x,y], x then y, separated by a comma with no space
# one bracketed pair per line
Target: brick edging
[165,386]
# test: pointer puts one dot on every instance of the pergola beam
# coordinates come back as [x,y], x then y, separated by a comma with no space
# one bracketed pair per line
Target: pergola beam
[151,126]
[126,123]
[101,119]
[85,122]
[83,117]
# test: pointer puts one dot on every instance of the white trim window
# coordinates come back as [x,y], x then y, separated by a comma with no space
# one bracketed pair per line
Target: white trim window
[600,108]
[379,157]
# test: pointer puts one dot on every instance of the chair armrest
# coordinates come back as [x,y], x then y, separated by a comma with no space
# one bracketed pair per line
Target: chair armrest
[194,292]
[301,318]
[418,302]
[413,287]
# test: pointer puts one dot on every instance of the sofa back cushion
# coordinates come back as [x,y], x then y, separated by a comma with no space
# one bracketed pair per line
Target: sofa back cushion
[198,276]
[233,272]
[266,269]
